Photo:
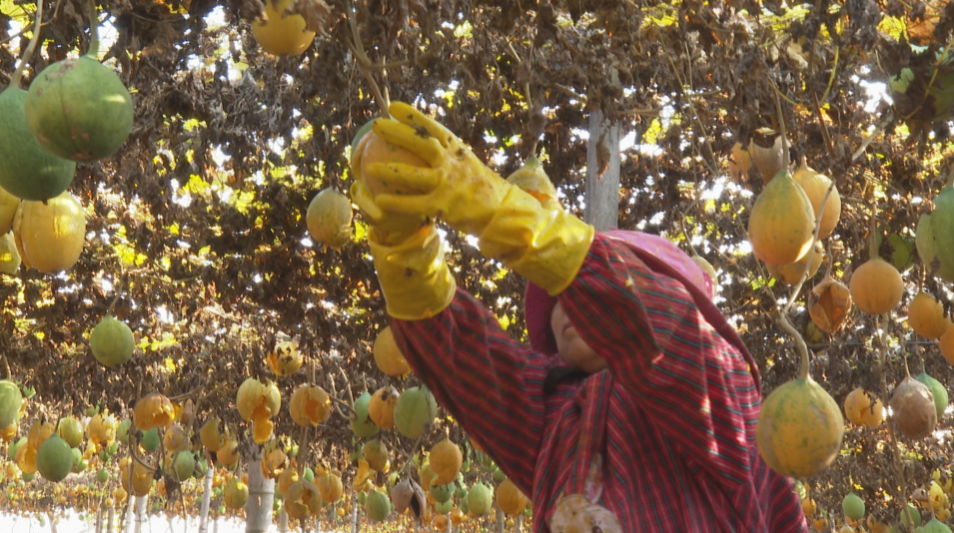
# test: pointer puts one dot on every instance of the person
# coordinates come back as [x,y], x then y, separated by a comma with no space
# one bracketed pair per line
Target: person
[634,406]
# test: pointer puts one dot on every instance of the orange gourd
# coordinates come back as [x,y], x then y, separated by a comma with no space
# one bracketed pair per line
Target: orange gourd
[926,316]
[782,221]
[816,187]
[876,286]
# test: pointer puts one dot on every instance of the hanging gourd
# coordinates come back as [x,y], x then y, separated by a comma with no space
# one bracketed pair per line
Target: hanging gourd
[782,222]
[78,108]
[27,171]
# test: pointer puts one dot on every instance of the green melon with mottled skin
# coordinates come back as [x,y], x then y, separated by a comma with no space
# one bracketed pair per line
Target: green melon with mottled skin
[79,109]
[27,170]
[942,226]
[800,429]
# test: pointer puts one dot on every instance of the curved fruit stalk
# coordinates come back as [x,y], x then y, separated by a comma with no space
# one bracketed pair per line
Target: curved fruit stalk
[816,186]
[280,33]
[791,273]
[78,108]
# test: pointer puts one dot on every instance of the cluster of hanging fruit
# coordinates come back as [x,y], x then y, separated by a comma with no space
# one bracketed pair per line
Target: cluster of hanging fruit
[76,110]
[800,427]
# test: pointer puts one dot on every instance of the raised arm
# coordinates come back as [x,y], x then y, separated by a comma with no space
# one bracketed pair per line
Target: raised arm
[491,384]
[692,382]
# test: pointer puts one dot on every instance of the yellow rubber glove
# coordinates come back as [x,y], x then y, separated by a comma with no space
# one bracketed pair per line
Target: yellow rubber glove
[389,228]
[416,282]
[541,243]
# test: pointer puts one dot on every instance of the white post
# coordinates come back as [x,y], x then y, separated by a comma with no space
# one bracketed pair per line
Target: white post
[142,516]
[206,500]
[355,523]
[130,513]
[283,521]
[602,189]
[261,495]
[110,515]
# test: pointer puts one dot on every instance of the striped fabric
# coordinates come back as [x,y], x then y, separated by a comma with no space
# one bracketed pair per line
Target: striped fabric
[679,450]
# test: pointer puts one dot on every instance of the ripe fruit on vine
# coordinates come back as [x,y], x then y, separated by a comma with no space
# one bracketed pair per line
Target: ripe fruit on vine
[816,186]
[926,316]
[280,33]
[79,109]
[876,286]
[913,408]
[27,170]
[112,342]
[799,429]
[50,235]
[329,219]
[781,222]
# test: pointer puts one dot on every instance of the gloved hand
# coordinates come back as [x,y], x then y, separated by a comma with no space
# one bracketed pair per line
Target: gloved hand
[541,243]
[416,282]
[387,227]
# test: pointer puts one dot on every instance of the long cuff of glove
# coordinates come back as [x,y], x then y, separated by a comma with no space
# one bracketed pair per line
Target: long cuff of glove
[546,246]
[416,282]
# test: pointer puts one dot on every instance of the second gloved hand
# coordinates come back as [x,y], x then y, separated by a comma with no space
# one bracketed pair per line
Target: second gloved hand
[457,187]
[416,282]
[537,240]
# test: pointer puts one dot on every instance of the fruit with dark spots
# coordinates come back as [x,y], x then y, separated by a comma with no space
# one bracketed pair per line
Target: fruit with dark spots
[27,171]
[79,109]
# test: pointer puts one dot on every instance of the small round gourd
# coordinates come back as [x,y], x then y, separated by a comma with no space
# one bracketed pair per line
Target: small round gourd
[112,342]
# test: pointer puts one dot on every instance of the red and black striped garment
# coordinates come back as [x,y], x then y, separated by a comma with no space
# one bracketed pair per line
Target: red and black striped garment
[677,427]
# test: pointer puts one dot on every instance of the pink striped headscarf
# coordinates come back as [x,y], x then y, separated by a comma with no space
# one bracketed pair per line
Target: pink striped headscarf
[663,257]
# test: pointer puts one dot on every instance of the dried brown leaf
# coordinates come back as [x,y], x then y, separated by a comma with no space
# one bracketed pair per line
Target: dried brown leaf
[317,14]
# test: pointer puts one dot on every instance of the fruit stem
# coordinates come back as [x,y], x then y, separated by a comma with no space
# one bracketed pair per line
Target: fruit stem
[892,436]
[786,157]
[302,452]
[18,73]
[783,316]
[93,51]
[799,345]
[364,63]
[873,231]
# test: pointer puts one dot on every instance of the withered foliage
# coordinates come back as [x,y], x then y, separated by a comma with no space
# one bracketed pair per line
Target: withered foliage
[206,252]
